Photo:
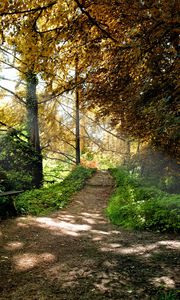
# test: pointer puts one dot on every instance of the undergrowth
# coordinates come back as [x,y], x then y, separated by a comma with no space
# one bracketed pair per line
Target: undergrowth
[136,204]
[169,295]
[48,199]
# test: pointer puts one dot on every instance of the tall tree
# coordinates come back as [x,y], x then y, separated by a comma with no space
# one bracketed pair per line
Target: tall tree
[35,41]
[127,51]
[78,154]
[136,80]
[33,129]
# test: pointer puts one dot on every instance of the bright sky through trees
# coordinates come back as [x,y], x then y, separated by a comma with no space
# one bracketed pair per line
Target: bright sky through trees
[11,75]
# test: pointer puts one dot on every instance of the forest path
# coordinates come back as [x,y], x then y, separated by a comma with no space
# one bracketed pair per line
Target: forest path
[76,254]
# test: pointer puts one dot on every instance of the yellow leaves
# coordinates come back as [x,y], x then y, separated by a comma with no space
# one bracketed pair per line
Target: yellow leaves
[11,116]
[38,49]
[3,5]
[94,32]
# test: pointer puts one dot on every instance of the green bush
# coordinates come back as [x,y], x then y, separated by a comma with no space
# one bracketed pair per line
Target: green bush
[139,206]
[16,158]
[54,172]
[4,182]
[167,295]
[19,180]
[48,199]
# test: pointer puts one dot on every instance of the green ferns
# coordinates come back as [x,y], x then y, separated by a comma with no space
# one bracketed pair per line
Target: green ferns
[48,199]
[137,205]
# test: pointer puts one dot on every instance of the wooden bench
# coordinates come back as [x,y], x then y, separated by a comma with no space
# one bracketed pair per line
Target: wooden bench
[7,208]
[10,193]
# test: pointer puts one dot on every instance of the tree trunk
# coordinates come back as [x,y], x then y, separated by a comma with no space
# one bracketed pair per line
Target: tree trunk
[83,135]
[128,153]
[78,160]
[33,130]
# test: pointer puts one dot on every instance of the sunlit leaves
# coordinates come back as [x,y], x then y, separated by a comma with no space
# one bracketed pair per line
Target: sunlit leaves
[12,115]
[136,76]
[127,53]
[3,5]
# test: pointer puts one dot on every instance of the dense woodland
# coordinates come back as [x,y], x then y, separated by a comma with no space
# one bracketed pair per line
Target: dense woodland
[96,83]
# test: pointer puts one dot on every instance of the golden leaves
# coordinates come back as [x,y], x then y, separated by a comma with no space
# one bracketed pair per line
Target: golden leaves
[3,5]
[10,116]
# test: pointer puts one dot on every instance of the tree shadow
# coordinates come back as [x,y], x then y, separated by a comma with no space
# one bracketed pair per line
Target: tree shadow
[83,257]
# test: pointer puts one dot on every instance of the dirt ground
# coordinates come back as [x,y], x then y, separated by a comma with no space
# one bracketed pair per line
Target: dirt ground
[76,254]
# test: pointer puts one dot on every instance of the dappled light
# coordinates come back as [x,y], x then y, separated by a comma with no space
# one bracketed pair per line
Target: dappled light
[64,227]
[100,232]
[13,245]
[77,252]
[92,218]
[23,225]
[164,281]
[170,244]
[139,249]
[26,261]
[89,150]
[103,285]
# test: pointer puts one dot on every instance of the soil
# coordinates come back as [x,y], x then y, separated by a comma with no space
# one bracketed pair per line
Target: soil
[76,254]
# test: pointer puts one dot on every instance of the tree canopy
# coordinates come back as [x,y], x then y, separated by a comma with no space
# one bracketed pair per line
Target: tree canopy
[136,79]
[127,59]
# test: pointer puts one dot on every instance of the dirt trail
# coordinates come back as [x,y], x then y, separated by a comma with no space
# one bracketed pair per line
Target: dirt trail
[76,254]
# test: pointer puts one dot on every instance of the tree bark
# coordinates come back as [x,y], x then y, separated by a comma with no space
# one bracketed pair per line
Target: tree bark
[33,129]
[78,154]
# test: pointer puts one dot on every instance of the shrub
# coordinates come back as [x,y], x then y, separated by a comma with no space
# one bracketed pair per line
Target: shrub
[139,206]
[48,199]
[54,172]
[16,158]
[4,182]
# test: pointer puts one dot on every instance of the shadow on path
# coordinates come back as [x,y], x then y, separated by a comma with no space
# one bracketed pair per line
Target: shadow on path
[77,254]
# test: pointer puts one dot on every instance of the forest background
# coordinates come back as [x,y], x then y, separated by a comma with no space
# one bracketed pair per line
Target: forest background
[96,83]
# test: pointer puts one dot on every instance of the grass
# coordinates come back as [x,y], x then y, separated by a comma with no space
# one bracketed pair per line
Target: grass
[138,205]
[54,172]
[167,295]
[55,196]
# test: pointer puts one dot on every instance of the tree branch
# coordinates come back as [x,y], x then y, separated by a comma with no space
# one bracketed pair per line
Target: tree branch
[94,21]
[12,93]
[68,156]
[13,67]
[94,121]
[14,56]
[66,142]
[55,158]
[61,93]
[32,10]
[60,122]
[14,130]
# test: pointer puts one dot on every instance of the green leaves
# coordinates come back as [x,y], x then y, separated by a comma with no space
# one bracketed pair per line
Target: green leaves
[134,205]
[46,200]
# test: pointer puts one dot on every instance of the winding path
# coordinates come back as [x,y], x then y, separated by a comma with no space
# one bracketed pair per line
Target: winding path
[76,254]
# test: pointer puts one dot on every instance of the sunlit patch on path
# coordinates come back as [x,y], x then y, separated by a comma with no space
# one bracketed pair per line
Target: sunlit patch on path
[76,254]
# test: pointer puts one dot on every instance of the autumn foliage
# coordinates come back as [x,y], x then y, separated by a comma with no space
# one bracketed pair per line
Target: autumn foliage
[127,53]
